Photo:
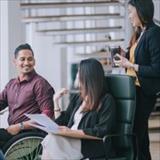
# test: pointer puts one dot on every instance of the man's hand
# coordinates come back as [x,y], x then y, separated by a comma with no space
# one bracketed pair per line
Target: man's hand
[13,129]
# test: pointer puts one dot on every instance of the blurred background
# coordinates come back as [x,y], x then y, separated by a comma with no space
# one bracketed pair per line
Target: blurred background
[61,33]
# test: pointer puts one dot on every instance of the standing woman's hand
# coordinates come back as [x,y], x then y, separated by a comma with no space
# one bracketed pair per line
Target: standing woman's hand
[122,61]
[122,52]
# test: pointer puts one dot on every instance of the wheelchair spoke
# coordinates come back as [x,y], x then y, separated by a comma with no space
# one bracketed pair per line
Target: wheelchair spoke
[25,149]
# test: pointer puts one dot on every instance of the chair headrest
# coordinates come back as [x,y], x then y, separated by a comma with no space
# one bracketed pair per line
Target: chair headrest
[121,86]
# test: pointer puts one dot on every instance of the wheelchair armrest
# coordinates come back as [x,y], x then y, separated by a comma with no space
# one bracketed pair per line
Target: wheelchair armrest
[3,111]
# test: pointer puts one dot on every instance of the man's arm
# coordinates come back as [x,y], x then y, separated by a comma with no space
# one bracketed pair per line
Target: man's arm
[16,128]
[3,99]
[44,97]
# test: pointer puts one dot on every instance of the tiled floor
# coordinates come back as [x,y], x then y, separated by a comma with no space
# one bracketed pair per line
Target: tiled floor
[155,150]
[154,130]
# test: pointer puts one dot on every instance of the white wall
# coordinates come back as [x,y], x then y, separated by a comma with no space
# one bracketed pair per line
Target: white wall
[157,9]
[49,58]
[4,54]
[50,61]
[11,33]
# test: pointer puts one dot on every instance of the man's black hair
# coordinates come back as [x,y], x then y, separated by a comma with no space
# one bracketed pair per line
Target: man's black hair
[22,47]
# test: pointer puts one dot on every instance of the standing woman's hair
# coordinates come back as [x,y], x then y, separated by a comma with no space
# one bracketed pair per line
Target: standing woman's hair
[135,35]
[92,82]
[145,10]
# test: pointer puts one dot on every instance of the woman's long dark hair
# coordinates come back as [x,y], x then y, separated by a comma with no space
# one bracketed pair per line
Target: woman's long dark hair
[135,35]
[92,82]
[145,11]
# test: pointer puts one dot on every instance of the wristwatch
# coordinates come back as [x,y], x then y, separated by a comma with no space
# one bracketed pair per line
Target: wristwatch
[21,125]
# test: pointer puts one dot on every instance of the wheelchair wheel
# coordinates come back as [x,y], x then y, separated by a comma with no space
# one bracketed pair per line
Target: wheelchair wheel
[24,146]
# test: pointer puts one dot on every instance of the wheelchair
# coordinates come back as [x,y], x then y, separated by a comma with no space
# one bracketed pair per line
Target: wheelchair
[24,146]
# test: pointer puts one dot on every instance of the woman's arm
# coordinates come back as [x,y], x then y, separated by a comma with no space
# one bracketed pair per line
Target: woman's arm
[124,62]
[56,98]
[104,125]
[150,61]
[66,115]
[67,132]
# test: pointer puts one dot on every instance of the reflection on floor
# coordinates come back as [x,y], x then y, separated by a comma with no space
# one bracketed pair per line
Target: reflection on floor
[154,130]
[155,150]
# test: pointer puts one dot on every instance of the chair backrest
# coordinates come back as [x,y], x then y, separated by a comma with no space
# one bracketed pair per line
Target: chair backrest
[123,89]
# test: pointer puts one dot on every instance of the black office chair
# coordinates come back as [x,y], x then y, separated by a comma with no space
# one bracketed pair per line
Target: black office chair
[123,89]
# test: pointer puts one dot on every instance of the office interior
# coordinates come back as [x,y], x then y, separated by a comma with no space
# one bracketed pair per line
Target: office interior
[63,32]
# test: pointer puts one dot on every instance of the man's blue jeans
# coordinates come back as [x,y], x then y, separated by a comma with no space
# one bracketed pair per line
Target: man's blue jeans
[1,155]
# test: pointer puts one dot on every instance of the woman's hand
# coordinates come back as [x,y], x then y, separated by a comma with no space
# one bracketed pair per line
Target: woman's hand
[64,130]
[57,96]
[122,52]
[122,61]
[60,93]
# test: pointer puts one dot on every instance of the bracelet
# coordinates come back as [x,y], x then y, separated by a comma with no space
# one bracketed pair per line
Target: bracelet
[57,110]
[21,125]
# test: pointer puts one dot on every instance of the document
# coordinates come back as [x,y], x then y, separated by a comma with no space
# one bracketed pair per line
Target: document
[43,122]
[46,124]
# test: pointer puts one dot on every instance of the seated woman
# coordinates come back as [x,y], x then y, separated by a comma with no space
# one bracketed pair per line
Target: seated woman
[90,114]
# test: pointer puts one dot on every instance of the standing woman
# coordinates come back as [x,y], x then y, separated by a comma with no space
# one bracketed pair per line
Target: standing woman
[90,113]
[144,64]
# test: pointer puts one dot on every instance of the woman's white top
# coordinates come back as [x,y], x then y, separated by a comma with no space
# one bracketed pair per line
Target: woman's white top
[77,118]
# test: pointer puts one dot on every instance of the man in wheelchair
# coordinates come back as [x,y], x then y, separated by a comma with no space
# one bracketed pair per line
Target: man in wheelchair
[28,93]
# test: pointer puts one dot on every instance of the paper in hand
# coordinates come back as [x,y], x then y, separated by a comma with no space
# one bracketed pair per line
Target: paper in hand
[43,122]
